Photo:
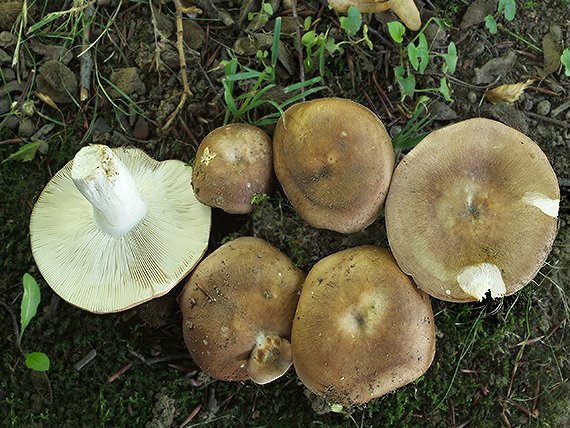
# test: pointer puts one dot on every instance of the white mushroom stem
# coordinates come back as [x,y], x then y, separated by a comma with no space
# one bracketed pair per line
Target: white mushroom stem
[271,358]
[107,183]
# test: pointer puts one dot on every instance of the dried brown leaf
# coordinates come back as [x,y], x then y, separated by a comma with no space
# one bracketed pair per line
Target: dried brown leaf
[507,93]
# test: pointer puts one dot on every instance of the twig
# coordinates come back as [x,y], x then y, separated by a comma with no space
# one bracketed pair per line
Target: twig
[547,119]
[14,325]
[180,45]
[299,44]
[86,67]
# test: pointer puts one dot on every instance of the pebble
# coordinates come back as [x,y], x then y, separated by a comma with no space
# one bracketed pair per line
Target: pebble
[26,128]
[543,107]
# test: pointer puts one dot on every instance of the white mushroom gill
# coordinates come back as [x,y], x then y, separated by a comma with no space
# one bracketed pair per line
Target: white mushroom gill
[107,183]
[477,280]
[543,203]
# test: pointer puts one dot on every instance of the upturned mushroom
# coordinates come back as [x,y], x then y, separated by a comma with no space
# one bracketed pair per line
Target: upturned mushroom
[334,159]
[362,328]
[233,164]
[472,210]
[237,307]
[406,10]
[115,228]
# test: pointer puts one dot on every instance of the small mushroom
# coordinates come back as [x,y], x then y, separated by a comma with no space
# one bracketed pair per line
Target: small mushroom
[362,328]
[406,10]
[237,307]
[233,164]
[334,159]
[472,209]
[115,228]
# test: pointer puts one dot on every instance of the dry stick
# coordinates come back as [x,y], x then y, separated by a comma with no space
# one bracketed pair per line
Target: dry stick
[180,45]
[299,44]
[14,325]
[86,67]
[547,119]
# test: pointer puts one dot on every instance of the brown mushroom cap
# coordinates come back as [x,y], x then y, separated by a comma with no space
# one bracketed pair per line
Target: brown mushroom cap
[238,307]
[472,208]
[233,163]
[406,10]
[362,328]
[334,159]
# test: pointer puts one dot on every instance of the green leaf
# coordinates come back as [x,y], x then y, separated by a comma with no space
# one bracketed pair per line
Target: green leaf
[407,84]
[445,89]
[397,31]
[37,361]
[366,39]
[442,24]
[451,57]
[565,60]
[423,50]
[308,38]
[419,55]
[491,24]
[30,301]
[509,8]
[25,153]
[352,22]
[332,46]
[267,8]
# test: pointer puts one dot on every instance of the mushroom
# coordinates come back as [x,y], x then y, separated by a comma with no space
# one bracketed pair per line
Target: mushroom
[406,10]
[115,228]
[237,307]
[472,209]
[334,159]
[362,328]
[233,164]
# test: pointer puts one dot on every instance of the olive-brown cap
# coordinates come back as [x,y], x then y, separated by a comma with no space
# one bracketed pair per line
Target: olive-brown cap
[233,164]
[472,209]
[238,306]
[362,328]
[334,159]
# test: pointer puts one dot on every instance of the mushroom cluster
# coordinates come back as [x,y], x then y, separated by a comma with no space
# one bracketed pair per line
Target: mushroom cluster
[471,210]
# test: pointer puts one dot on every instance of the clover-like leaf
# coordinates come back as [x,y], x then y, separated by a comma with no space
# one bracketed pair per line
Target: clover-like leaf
[396,30]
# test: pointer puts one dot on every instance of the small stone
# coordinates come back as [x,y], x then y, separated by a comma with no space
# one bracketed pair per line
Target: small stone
[57,81]
[4,57]
[528,105]
[26,128]
[7,74]
[140,131]
[10,12]
[128,80]
[101,126]
[194,35]
[7,39]
[543,107]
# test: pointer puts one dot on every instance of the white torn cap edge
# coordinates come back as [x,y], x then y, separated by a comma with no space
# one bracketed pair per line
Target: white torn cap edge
[112,271]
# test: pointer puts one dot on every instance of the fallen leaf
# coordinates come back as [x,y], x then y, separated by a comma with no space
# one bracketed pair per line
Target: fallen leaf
[507,93]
